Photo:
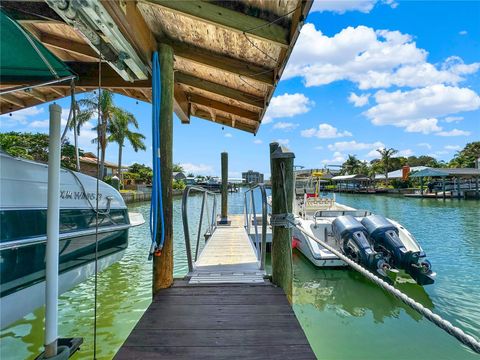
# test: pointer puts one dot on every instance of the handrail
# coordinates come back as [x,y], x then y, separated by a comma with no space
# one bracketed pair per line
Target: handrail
[186,230]
[261,253]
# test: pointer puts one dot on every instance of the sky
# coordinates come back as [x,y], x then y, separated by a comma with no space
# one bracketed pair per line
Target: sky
[364,74]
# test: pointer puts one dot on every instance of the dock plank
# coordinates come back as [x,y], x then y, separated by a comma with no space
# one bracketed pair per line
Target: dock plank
[218,322]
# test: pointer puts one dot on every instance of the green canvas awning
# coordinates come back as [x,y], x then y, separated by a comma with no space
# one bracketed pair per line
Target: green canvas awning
[23,59]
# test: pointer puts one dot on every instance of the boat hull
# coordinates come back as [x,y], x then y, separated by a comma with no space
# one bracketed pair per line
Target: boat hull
[23,268]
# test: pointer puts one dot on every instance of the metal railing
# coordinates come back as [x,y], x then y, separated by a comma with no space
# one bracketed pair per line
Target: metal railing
[250,211]
[211,224]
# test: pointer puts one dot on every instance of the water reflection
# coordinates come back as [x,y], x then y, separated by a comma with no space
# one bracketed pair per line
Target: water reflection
[350,293]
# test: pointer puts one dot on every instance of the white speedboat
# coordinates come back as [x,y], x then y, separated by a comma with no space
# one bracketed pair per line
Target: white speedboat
[379,244]
[23,219]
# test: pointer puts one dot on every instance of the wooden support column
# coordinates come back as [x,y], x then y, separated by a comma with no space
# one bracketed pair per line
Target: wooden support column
[224,212]
[477,188]
[443,187]
[458,188]
[281,166]
[163,264]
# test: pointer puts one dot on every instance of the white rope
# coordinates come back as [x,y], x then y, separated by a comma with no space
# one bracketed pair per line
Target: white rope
[443,324]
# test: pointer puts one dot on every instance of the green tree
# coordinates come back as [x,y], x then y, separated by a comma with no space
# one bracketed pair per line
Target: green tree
[351,165]
[386,156]
[467,156]
[177,168]
[119,132]
[103,107]
[35,147]
[145,172]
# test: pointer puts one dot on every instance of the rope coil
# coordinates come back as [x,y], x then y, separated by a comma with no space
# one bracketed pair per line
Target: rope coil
[436,319]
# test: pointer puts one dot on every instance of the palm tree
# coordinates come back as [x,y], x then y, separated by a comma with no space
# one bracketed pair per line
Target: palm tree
[351,165]
[386,155]
[119,132]
[90,107]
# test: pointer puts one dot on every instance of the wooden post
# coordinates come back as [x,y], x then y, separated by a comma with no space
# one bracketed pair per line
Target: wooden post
[163,264]
[224,209]
[458,188]
[443,187]
[281,166]
[476,188]
[421,186]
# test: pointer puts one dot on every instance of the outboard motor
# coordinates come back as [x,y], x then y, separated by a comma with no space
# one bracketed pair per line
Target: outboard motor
[384,236]
[352,237]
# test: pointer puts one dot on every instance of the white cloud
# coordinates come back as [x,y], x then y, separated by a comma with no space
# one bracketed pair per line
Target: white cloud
[338,158]
[351,146]
[463,32]
[22,115]
[424,126]
[284,126]
[283,141]
[426,145]
[417,110]
[228,135]
[405,153]
[257,141]
[287,105]
[450,119]
[325,131]
[198,169]
[358,100]
[318,147]
[453,147]
[341,7]
[370,58]
[454,132]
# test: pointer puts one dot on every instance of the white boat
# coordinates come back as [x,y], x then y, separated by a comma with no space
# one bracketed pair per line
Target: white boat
[382,245]
[23,214]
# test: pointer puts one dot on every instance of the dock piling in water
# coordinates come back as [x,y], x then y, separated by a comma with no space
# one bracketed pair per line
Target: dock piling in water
[163,264]
[224,210]
[281,163]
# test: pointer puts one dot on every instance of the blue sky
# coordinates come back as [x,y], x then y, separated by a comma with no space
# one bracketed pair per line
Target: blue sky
[365,74]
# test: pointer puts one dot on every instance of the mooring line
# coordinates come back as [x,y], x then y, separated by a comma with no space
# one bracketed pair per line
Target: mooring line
[436,319]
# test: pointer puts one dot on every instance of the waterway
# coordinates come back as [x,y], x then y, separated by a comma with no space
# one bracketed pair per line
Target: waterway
[343,315]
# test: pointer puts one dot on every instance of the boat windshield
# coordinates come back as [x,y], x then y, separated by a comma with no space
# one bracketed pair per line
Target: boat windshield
[335,213]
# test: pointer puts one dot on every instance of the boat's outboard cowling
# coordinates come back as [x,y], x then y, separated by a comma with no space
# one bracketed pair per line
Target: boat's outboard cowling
[385,239]
[352,237]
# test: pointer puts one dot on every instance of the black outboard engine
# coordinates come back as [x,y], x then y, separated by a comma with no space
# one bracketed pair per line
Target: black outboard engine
[352,237]
[385,239]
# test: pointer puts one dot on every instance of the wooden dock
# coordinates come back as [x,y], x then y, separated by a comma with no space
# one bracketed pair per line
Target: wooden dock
[225,309]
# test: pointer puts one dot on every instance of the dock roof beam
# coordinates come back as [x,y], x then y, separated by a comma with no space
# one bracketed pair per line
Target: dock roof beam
[229,19]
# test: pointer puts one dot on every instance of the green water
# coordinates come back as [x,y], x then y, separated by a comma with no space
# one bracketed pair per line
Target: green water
[343,315]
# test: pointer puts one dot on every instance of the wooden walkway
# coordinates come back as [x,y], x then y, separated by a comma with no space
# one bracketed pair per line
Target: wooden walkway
[218,322]
[223,310]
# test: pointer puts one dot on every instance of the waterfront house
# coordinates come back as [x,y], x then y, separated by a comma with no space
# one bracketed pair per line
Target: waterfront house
[89,164]
[252,177]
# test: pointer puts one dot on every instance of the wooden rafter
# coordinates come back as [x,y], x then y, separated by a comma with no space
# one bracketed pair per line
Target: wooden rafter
[67,45]
[224,121]
[230,19]
[225,91]
[217,105]
[12,99]
[229,64]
